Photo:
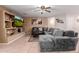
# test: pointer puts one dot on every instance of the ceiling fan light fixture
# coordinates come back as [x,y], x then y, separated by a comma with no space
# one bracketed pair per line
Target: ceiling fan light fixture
[41,12]
[45,8]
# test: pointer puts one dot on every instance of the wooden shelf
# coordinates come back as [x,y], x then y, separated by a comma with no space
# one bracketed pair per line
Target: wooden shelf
[9,33]
[8,21]
[7,30]
[11,28]
[9,13]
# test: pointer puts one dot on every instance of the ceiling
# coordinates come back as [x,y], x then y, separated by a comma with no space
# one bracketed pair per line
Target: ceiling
[27,10]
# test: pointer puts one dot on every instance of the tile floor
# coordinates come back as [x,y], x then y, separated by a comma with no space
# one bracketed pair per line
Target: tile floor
[23,46]
[20,46]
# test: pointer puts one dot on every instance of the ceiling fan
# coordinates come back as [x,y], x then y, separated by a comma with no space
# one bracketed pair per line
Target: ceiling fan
[43,9]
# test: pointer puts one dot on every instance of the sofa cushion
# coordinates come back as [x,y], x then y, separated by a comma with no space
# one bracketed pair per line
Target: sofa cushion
[40,29]
[58,32]
[45,28]
[51,30]
[76,34]
[69,33]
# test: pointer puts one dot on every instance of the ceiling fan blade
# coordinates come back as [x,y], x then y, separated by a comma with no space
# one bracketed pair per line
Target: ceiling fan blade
[41,12]
[36,10]
[48,11]
[37,7]
[48,7]
[52,9]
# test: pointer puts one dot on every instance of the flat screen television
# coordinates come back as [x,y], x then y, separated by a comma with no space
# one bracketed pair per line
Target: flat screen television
[18,22]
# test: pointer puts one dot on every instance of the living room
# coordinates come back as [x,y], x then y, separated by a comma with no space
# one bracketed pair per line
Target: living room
[39,23]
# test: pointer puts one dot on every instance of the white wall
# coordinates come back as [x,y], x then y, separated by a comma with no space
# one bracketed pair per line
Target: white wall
[72,23]
[54,24]
[69,22]
[61,25]
[76,23]
[51,22]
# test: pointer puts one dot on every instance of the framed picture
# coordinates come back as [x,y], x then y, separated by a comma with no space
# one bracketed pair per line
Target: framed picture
[36,21]
[59,21]
[39,21]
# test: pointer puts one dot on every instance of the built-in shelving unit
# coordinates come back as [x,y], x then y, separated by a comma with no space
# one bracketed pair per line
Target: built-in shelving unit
[7,31]
[9,19]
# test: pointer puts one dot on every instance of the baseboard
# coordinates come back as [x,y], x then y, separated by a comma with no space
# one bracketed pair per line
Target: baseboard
[13,40]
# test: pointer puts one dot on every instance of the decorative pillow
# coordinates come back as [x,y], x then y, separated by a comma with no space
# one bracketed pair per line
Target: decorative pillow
[40,29]
[58,32]
[45,29]
[70,33]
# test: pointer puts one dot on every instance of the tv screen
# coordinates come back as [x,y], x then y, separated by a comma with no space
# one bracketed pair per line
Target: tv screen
[18,22]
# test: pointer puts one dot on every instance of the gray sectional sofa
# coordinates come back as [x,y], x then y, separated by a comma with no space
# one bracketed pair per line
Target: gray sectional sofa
[58,40]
